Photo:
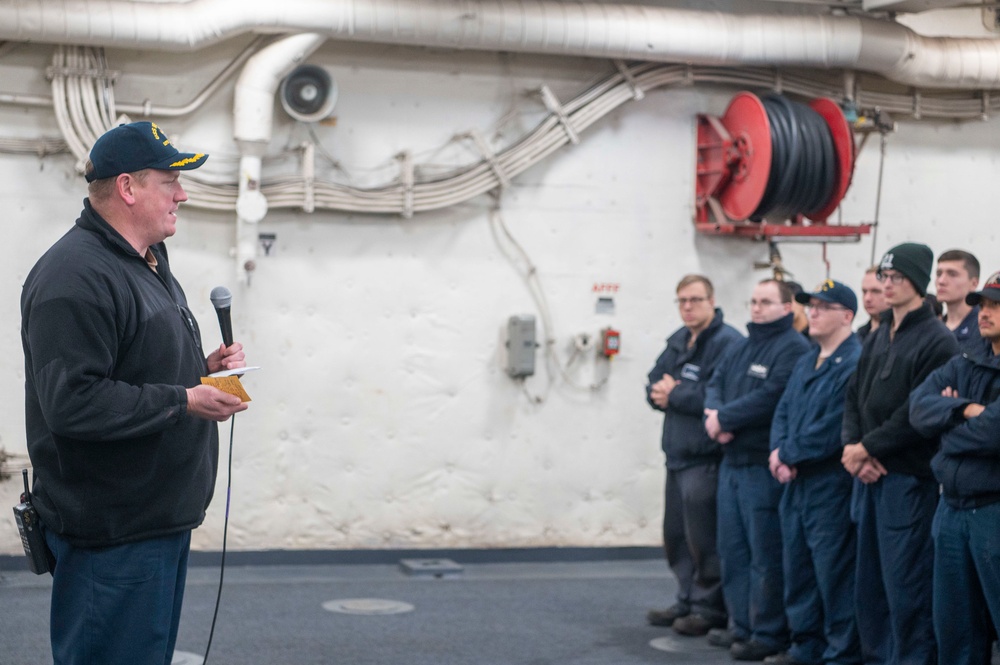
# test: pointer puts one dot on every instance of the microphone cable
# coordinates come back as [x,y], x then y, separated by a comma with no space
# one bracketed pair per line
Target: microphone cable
[803,172]
[225,532]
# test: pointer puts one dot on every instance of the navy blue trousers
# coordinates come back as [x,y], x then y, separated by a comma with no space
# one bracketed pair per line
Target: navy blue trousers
[689,531]
[966,582]
[750,550]
[117,605]
[819,550]
[895,569]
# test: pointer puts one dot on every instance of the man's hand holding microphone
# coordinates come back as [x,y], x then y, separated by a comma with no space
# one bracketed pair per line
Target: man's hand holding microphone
[208,401]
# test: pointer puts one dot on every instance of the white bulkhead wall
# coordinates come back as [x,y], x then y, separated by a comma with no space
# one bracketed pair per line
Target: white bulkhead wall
[382,417]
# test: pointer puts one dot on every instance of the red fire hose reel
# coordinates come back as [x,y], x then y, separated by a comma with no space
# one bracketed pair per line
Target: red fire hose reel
[735,164]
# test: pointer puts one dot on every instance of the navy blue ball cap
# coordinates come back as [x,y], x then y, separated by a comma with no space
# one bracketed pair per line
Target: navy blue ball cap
[990,291]
[137,146]
[832,292]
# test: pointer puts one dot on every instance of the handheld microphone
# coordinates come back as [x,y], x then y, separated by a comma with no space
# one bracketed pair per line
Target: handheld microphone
[222,299]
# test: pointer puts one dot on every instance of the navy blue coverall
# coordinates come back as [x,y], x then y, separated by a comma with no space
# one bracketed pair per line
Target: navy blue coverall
[816,530]
[745,389]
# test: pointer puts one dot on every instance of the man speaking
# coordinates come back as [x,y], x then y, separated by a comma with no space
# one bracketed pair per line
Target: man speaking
[120,430]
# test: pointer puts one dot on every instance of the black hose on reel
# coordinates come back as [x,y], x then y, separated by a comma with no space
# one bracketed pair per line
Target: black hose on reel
[803,161]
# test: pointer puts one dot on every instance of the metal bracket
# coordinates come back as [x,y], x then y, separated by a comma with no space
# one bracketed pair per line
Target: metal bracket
[111,75]
[490,157]
[637,92]
[407,177]
[553,105]
[308,177]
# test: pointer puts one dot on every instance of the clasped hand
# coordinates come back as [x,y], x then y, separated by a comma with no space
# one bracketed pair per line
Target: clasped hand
[660,391]
[860,464]
[714,428]
[782,472]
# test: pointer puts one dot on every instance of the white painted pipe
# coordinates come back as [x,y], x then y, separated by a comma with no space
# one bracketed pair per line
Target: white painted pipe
[253,117]
[251,208]
[258,83]
[558,28]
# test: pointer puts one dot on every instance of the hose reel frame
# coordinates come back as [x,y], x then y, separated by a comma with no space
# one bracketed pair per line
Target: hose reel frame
[734,156]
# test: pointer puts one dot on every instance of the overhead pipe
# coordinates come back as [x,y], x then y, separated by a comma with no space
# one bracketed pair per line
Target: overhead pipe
[630,32]
[147,109]
[253,118]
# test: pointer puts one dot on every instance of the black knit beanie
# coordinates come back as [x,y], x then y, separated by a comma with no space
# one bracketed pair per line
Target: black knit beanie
[913,260]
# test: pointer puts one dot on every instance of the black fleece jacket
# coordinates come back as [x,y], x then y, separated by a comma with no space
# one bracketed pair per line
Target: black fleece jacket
[109,348]
[877,410]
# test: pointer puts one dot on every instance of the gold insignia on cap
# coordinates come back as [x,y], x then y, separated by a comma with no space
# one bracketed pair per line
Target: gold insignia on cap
[187,160]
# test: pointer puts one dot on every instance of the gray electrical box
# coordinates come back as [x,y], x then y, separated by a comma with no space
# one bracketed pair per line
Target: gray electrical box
[521,345]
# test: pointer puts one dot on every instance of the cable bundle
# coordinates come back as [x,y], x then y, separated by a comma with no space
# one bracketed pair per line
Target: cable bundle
[85,107]
[803,163]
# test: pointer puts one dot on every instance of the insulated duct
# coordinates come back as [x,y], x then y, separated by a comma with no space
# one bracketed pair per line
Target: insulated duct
[631,32]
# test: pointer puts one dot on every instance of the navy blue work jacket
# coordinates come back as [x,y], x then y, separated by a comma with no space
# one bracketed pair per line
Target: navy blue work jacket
[684,440]
[968,463]
[748,383]
[967,333]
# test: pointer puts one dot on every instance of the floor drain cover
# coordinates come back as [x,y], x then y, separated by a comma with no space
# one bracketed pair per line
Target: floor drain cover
[368,606]
[431,567]
[682,645]
[665,644]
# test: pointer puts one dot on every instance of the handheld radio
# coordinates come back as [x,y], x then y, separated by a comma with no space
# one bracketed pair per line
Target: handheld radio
[31,534]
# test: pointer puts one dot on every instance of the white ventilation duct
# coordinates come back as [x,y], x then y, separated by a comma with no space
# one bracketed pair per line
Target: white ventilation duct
[585,29]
